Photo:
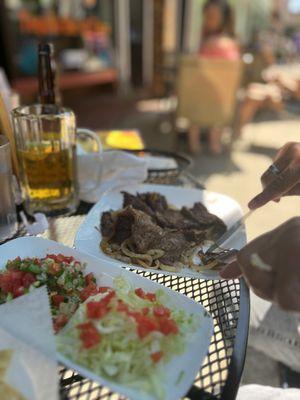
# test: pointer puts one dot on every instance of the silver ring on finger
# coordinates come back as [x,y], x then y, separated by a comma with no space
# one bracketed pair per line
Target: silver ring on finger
[274,170]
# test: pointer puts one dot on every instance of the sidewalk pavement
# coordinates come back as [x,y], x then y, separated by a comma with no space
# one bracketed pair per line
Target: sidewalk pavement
[238,175]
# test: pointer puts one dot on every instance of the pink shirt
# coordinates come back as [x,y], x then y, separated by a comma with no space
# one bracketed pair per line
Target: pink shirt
[220,47]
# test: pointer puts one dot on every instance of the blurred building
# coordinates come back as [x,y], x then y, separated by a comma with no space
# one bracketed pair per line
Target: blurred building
[125,42]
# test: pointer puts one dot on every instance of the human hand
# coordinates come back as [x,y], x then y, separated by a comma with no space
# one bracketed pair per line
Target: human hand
[277,276]
[282,178]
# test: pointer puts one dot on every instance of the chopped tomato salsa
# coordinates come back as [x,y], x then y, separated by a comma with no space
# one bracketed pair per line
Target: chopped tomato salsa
[64,276]
[15,283]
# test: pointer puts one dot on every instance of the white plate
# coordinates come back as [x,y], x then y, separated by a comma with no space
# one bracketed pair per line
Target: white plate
[196,349]
[88,238]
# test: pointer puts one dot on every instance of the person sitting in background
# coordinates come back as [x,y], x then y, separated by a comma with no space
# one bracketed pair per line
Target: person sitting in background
[218,37]
[218,42]
[273,46]
[270,265]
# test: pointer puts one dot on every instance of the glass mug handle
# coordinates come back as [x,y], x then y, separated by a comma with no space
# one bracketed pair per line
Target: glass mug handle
[87,132]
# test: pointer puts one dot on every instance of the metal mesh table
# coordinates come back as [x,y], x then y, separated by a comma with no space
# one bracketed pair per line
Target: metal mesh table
[220,374]
[228,303]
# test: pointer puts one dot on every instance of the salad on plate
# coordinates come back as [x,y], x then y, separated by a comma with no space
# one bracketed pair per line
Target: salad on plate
[127,335]
[65,277]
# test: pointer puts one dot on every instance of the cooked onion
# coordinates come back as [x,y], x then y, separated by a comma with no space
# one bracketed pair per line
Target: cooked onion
[147,259]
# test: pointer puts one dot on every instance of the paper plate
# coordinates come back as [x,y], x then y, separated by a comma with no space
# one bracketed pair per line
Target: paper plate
[88,238]
[188,364]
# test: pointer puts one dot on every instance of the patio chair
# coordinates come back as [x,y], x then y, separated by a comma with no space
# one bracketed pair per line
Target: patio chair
[206,90]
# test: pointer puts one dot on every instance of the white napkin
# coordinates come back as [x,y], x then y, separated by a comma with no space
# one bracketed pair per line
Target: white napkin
[119,169]
[159,162]
[26,328]
[259,392]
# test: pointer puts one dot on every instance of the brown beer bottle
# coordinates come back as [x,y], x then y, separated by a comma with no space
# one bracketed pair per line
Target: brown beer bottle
[46,75]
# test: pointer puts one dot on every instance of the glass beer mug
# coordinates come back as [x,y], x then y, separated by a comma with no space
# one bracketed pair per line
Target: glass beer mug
[8,216]
[45,138]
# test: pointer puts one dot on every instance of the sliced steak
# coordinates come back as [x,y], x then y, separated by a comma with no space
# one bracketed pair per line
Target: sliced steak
[146,234]
[151,224]
[214,226]
[155,201]
[136,202]
[174,219]
[107,224]
[195,236]
[173,244]
[121,228]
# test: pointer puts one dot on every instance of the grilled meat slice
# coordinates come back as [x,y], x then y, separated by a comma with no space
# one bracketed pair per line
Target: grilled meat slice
[197,218]
[173,244]
[117,226]
[147,202]
[136,202]
[174,219]
[146,234]
[214,226]
[107,224]
[195,236]
[155,201]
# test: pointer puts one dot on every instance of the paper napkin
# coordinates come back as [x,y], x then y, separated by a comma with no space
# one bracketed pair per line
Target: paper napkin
[119,169]
[26,329]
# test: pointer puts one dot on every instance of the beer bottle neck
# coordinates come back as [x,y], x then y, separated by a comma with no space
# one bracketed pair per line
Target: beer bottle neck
[46,76]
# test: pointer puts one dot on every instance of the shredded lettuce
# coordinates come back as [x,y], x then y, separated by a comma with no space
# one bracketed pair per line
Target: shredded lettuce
[122,356]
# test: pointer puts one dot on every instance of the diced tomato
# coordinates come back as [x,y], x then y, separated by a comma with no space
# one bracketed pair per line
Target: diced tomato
[6,284]
[103,289]
[96,309]
[145,325]
[145,311]
[139,292]
[28,279]
[89,290]
[157,356]
[135,314]
[59,322]
[106,300]
[122,307]
[18,291]
[84,325]
[57,299]
[161,311]
[54,268]
[17,276]
[89,335]
[89,278]
[151,296]
[59,258]
[146,296]
[15,282]
[167,326]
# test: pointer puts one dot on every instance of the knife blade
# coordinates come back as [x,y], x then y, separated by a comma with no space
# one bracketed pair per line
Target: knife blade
[230,232]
